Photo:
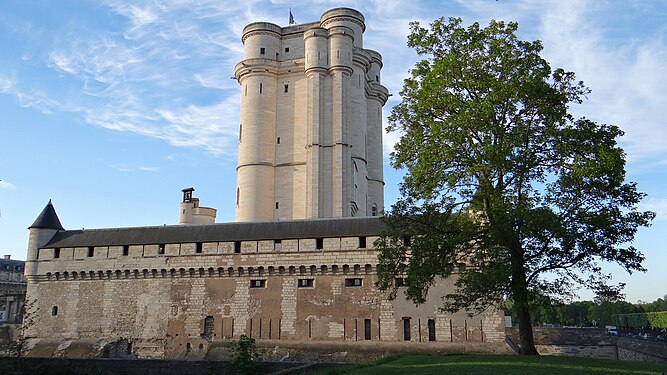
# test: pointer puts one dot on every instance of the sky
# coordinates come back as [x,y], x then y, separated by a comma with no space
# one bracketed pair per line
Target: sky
[109,108]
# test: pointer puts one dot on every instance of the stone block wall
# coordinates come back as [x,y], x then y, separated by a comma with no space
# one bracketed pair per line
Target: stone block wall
[175,305]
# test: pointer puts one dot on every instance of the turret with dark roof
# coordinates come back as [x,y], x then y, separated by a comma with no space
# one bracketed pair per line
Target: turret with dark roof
[48,219]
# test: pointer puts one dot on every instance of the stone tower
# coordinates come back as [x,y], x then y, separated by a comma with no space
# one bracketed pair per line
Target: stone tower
[42,230]
[310,137]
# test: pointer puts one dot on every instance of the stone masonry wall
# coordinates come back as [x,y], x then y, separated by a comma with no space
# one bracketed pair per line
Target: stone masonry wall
[160,303]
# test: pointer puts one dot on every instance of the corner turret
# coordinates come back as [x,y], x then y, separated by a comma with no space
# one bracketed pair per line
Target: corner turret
[42,231]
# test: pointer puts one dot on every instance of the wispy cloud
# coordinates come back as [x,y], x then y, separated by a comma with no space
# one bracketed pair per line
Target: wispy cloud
[7,185]
[163,70]
[126,169]
[627,75]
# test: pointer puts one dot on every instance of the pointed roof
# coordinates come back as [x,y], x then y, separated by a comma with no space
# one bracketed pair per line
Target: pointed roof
[48,219]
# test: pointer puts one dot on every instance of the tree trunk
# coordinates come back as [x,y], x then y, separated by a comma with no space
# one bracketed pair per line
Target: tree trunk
[520,298]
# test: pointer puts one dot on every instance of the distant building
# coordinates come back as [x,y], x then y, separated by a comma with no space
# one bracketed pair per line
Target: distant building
[12,290]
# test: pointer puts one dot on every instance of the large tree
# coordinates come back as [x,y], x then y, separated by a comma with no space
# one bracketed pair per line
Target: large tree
[502,178]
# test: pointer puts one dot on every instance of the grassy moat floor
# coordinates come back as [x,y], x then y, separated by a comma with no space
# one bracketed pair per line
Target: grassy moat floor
[471,364]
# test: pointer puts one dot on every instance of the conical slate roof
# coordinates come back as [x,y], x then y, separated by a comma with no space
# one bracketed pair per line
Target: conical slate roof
[48,219]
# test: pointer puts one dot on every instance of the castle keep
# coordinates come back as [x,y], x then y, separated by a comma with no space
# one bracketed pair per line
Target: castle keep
[310,138]
[299,263]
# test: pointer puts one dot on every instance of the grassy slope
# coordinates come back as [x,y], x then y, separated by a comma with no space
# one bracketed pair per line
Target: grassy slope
[496,364]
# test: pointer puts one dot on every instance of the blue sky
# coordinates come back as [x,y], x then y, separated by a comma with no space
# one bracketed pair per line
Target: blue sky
[110,107]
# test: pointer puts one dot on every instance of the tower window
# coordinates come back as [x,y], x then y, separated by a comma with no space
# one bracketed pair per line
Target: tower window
[353,282]
[262,50]
[198,247]
[362,242]
[246,90]
[278,140]
[260,88]
[238,196]
[277,205]
[377,78]
[286,88]
[319,243]
[240,132]
[54,311]
[91,251]
[56,252]
[286,49]
[237,247]
[126,250]
[160,248]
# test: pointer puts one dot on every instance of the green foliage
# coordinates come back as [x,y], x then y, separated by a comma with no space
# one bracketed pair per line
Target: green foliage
[545,310]
[502,178]
[244,354]
[656,320]
[498,364]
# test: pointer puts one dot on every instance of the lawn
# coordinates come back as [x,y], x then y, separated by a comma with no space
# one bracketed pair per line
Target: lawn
[498,364]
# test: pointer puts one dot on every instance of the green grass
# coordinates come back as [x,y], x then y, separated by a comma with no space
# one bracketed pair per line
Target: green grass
[497,365]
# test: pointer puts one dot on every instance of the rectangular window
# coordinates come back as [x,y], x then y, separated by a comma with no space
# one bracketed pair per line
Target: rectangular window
[367,329]
[362,242]
[258,283]
[278,140]
[237,247]
[319,243]
[198,247]
[91,251]
[208,327]
[286,88]
[431,330]
[406,329]
[262,50]
[306,283]
[56,252]
[260,88]
[160,248]
[277,245]
[399,282]
[286,49]
[277,205]
[126,250]
[353,282]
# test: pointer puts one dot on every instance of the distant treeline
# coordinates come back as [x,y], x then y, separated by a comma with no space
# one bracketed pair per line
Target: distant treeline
[546,311]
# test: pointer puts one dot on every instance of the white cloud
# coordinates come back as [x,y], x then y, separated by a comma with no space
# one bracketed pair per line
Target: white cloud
[7,185]
[627,75]
[126,169]
[657,205]
[62,62]
[6,84]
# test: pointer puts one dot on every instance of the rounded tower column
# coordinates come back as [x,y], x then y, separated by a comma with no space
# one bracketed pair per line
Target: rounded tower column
[257,75]
[316,56]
